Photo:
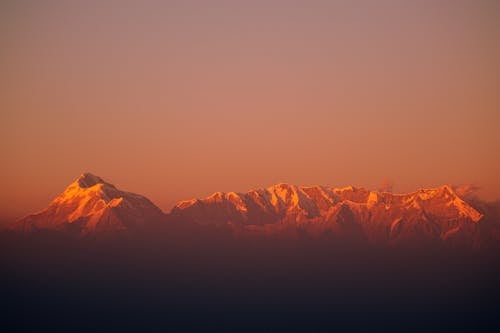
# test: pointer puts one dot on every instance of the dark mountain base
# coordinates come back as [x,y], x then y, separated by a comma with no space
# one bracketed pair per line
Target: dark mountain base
[208,281]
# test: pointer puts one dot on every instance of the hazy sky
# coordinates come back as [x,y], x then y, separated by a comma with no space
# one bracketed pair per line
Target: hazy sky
[178,99]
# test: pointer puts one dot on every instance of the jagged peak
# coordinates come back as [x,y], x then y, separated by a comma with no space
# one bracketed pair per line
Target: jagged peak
[447,189]
[86,180]
[346,188]
[430,193]
[284,192]
[315,187]
[217,195]
[282,186]
[349,188]
[88,185]
[185,203]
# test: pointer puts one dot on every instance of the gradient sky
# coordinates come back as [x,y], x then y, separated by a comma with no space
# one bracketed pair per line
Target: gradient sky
[179,99]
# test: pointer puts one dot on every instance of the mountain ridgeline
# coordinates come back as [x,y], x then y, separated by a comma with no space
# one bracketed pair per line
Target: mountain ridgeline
[284,258]
[90,206]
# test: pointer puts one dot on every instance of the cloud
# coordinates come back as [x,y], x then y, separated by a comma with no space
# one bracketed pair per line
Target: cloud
[466,190]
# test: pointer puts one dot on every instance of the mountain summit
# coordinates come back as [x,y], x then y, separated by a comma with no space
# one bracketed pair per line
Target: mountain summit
[90,204]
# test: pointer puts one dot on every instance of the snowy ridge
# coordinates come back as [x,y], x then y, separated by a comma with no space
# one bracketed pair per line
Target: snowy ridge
[379,217]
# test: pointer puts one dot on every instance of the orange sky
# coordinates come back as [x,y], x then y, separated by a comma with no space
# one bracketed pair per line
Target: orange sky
[178,99]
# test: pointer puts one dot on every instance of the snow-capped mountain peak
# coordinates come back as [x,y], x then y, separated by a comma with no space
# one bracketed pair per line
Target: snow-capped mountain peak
[88,180]
[90,204]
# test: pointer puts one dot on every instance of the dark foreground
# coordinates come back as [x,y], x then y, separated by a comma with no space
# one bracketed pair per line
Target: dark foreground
[208,281]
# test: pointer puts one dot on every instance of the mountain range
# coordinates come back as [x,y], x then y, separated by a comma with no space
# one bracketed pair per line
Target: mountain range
[91,206]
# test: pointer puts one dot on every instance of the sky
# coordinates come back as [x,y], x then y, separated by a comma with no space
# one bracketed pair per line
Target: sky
[179,99]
